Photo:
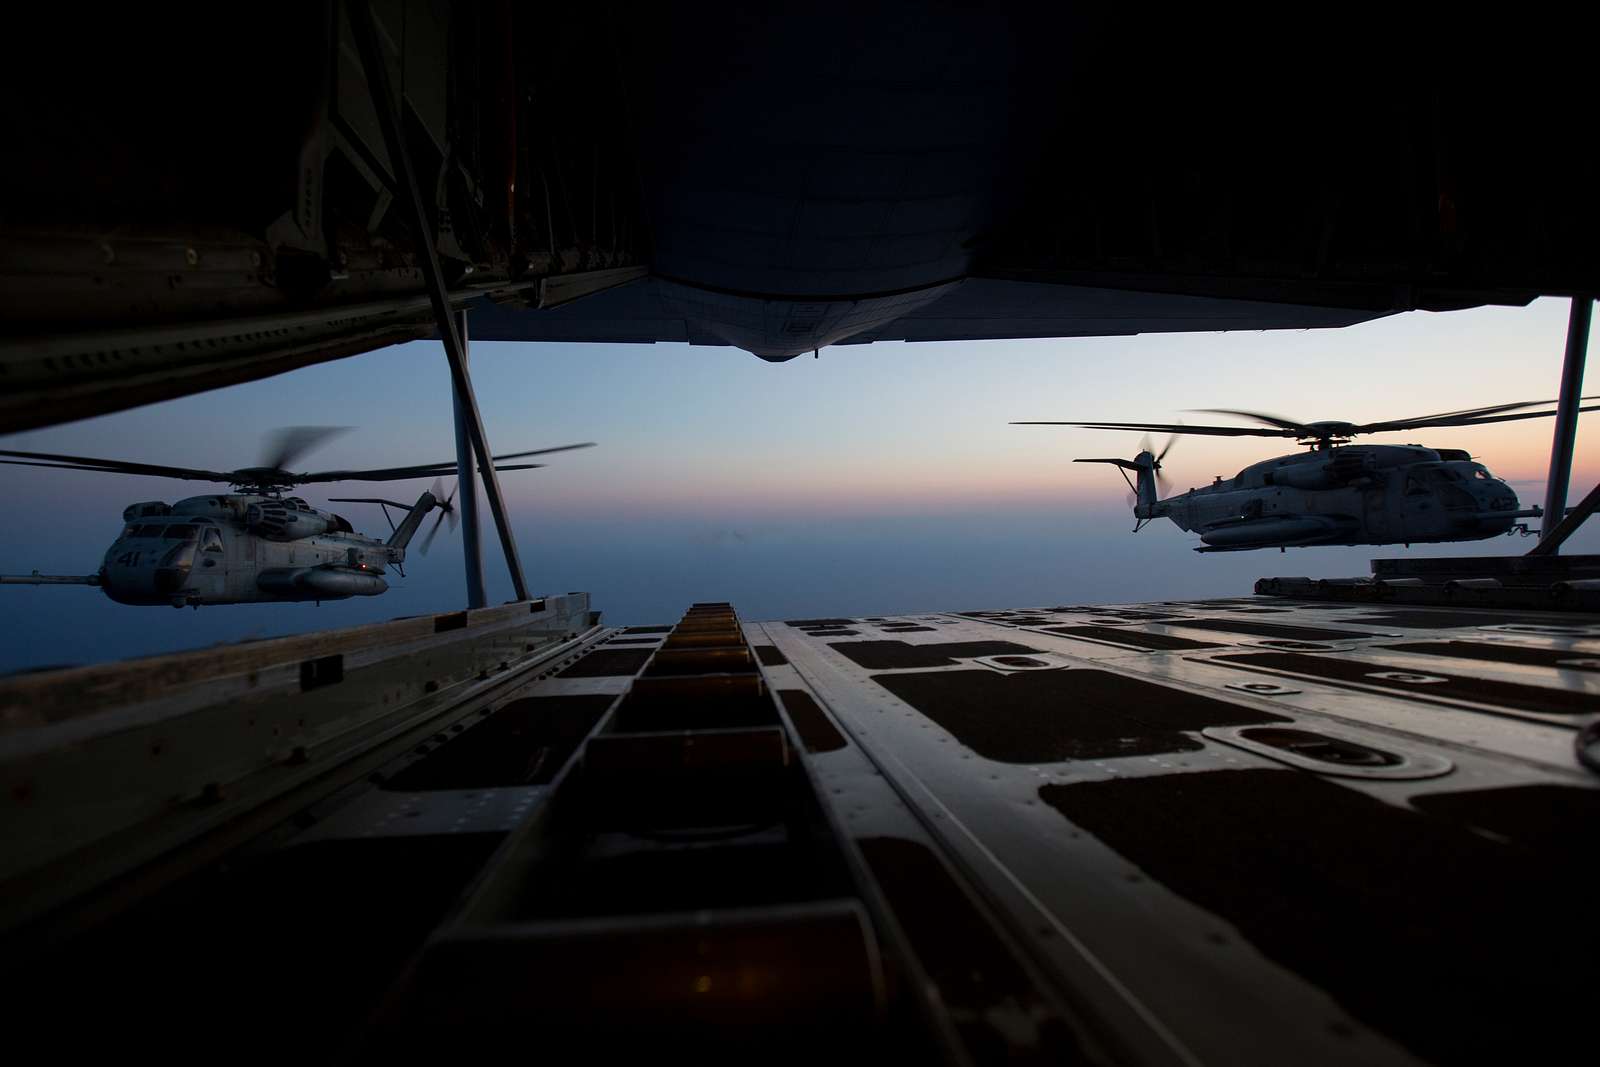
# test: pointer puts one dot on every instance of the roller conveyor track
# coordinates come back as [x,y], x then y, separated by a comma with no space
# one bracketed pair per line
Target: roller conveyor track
[626,849]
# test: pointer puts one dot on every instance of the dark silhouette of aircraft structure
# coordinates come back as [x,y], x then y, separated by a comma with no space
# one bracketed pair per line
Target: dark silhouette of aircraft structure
[1345,820]
[779,179]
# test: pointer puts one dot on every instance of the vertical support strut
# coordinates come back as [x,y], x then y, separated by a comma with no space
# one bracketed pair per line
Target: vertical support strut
[1566,431]
[373,65]
[467,491]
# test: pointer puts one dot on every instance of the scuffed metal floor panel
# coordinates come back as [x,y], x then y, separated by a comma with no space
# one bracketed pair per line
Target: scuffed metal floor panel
[1283,832]
[1234,831]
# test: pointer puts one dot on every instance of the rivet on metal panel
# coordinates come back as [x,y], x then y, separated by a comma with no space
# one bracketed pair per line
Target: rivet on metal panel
[1262,688]
[1407,677]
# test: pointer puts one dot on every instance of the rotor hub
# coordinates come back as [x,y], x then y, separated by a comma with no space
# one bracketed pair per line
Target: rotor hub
[269,481]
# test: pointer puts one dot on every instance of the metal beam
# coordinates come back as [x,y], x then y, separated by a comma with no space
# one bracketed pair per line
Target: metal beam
[467,490]
[377,72]
[1566,430]
[1551,537]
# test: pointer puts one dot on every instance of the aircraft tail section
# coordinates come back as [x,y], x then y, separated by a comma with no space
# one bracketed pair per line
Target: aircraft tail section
[408,527]
[1143,482]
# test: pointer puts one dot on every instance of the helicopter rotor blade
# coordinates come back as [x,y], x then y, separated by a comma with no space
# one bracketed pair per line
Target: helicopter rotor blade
[432,530]
[1485,420]
[446,504]
[424,470]
[545,451]
[115,466]
[1173,427]
[288,443]
[1492,409]
[1257,416]
[1163,487]
[285,445]
[1459,420]
[1146,444]
[447,510]
[1279,427]
[399,474]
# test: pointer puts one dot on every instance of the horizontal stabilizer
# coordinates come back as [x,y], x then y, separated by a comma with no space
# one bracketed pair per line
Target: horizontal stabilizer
[1127,464]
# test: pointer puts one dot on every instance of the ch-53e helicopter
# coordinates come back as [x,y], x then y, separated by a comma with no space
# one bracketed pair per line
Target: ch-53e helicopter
[1334,493]
[256,544]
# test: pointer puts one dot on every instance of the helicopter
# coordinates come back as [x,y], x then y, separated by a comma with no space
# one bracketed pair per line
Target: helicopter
[1335,493]
[256,544]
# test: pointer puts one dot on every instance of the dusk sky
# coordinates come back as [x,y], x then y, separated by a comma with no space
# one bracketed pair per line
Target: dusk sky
[877,479]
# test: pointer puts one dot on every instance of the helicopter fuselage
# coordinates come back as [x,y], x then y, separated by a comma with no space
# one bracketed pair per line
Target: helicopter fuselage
[1349,495]
[241,549]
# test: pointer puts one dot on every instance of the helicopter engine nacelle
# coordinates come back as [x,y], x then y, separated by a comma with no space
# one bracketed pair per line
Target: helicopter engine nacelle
[288,519]
[1340,470]
[147,510]
[223,508]
[1303,476]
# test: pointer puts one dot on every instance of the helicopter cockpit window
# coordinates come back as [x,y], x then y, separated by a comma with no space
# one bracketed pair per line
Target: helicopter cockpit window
[148,531]
[183,532]
[211,541]
[1481,473]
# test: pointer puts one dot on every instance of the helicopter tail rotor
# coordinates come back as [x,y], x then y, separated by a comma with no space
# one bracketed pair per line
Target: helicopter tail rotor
[447,510]
[1145,495]
[1146,444]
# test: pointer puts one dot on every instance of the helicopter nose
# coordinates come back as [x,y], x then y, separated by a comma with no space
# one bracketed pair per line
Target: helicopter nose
[174,568]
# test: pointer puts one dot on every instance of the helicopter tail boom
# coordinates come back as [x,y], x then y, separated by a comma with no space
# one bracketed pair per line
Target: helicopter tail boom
[408,526]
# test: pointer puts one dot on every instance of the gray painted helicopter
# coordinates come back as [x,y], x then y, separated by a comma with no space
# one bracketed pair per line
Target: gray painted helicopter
[256,544]
[1334,493]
